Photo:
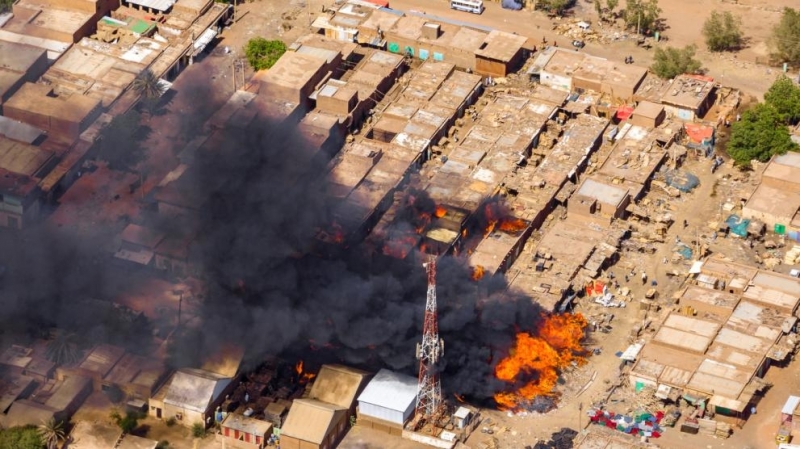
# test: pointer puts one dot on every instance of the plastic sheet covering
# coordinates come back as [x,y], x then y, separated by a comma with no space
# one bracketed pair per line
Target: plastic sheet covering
[681,180]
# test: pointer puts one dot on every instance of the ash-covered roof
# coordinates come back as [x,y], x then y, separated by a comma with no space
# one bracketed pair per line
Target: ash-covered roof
[195,389]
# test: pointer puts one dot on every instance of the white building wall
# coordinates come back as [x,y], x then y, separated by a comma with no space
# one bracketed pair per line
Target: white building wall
[376,411]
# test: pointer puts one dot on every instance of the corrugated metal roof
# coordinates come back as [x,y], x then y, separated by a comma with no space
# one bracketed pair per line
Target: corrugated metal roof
[194,389]
[158,5]
[390,390]
[336,384]
[310,420]
[791,405]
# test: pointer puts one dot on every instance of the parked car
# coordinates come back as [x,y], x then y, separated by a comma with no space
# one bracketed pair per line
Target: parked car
[578,43]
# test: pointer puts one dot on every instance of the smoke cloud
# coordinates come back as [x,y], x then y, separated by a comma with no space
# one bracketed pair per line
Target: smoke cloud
[271,291]
[267,288]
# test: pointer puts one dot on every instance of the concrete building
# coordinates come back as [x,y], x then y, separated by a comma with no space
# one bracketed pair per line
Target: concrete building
[241,432]
[387,403]
[57,20]
[594,197]
[190,396]
[648,115]
[58,400]
[500,53]
[741,321]
[297,75]
[313,424]
[138,244]
[19,64]
[321,420]
[776,200]
[576,71]
[63,117]
[689,97]
[19,199]
[102,71]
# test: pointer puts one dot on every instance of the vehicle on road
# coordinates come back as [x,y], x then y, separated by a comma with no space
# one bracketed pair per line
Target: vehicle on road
[578,43]
[473,6]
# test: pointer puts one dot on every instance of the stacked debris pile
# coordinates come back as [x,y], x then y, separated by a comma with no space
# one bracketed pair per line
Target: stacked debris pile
[641,423]
[563,439]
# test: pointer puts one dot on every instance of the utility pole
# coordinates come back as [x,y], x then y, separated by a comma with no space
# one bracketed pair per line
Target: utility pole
[429,389]
[233,74]
[180,306]
[580,412]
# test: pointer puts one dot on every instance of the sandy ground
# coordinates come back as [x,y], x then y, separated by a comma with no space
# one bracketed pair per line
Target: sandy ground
[684,19]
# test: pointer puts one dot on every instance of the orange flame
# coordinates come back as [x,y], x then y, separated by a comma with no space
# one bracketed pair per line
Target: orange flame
[440,212]
[497,216]
[513,225]
[303,377]
[541,356]
[477,273]
[459,398]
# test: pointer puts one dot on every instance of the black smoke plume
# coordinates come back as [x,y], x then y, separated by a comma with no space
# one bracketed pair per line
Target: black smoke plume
[270,290]
[268,287]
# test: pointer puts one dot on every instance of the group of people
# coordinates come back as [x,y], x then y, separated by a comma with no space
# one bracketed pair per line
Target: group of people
[628,59]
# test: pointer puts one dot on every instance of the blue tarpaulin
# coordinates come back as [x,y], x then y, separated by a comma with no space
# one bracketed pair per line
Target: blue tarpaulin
[681,180]
[516,5]
[738,225]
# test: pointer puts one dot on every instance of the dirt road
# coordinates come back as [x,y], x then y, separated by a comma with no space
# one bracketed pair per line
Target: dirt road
[684,19]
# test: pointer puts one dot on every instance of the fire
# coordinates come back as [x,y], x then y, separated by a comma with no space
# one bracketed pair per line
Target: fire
[337,234]
[536,360]
[459,398]
[513,225]
[399,247]
[303,377]
[477,272]
[497,216]
[440,212]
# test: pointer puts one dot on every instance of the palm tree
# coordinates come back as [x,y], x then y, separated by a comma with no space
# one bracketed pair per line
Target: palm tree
[148,85]
[52,433]
[63,348]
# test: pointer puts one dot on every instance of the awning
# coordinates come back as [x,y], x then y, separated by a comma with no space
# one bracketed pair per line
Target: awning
[624,112]
[791,405]
[632,352]
[204,39]
[697,267]
[728,403]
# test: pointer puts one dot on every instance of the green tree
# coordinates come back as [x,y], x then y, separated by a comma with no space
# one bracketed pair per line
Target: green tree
[642,15]
[62,349]
[759,135]
[671,62]
[263,54]
[198,430]
[52,433]
[126,423]
[148,85]
[785,40]
[555,6]
[598,8]
[784,96]
[21,438]
[612,5]
[723,31]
